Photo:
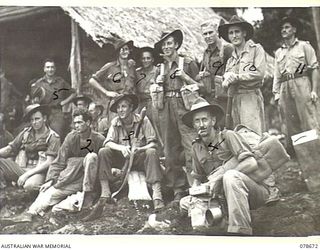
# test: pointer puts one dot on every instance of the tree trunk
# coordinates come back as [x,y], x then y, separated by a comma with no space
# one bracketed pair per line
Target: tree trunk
[316,23]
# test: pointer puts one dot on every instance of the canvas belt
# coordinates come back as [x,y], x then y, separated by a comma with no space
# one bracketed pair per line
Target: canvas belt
[296,75]
[172,93]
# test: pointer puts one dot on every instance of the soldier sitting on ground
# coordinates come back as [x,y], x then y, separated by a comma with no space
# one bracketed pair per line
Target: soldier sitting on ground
[225,162]
[35,148]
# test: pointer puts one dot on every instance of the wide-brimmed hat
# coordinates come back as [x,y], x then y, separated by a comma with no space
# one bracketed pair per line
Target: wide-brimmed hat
[133,99]
[293,21]
[81,97]
[235,20]
[122,43]
[31,109]
[201,104]
[178,37]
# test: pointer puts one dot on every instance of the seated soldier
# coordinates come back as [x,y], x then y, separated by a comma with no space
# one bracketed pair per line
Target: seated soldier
[35,148]
[227,163]
[119,146]
[99,122]
[75,169]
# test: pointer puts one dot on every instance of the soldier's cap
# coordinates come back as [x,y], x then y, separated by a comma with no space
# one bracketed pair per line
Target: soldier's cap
[238,21]
[81,97]
[33,108]
[240,126]
[201,104]
[133,99]
[122,43]
[178,37]
[293,21]
[38,91]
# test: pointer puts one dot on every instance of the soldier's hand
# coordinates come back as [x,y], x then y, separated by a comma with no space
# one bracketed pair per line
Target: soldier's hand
[22,179]
[180,73]
[225,84]
[314,96]
[45,186]
[126,152]
[160,79]
[112,94]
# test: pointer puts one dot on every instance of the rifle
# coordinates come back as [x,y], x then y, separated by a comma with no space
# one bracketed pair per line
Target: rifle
[129,162]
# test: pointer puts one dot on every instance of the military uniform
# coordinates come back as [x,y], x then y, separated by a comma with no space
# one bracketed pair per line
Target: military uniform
[176,136]
[143,92]
[47,144]
[247,105]
[74,169]
[55,92]
[147,161]
[118,78]
[214,61]
[292,84]
[242,192]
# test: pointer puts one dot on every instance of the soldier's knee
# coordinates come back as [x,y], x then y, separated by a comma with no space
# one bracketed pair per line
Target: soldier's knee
[151,151]
[105,151]
[92,156]
[230,176]
[31,186]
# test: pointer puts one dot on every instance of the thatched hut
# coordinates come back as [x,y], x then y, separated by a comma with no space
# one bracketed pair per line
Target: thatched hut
[30,34]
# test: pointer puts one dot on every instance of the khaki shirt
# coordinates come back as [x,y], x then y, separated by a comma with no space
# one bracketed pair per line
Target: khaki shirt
[206,158]
[118,134]
[55,91]
[48,142]
[60,171]
[145,79]
[115,77]
[213,59]
[175,83]
[289,60]
[250,66]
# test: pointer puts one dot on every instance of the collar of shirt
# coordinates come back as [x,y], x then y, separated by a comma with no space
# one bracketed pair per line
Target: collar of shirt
[284,46]
[44,78]
[175,60]
[136,119]
[246,49]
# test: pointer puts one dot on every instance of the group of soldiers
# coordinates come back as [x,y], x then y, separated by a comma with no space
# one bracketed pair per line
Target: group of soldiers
[187,108]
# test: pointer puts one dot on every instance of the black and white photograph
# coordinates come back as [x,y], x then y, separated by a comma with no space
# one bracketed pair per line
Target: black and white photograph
[199,121]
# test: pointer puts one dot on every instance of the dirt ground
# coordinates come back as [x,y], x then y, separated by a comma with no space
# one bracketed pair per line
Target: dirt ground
[296,214]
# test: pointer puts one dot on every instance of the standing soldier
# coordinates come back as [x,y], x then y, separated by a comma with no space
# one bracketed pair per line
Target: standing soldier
[116,77]
[54,91]
[147,76]
[293,86]
[176,135]
[214,63]
[244,73]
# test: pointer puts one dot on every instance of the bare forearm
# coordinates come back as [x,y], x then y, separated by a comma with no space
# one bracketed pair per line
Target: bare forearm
[5,152]
[41,167]
[315,79]
[114,146]
[149,145]
[98,86]
[68,99]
